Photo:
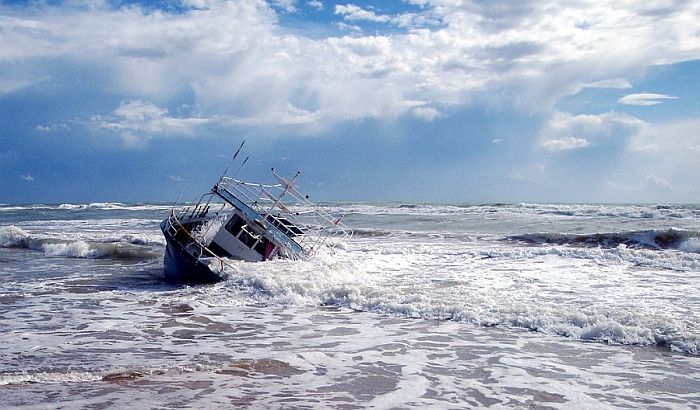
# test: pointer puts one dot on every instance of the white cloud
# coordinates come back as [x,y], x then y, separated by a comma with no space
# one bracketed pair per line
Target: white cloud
[27,177]
[349,27]
[613,83]
[660,163]
[352,12]
[52,127]
[645,99]
[565,144]
[238,65]
[14,83]
[426,113]
[565,131]
[653,182]
[315,4]
[355,13]
[287,5]
[139,116]
[139,111]
[677,139]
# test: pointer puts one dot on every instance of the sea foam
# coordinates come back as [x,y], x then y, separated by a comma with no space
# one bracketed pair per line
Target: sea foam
[127,247]
[77,249]
[12,236]
[690,245]
[397,284]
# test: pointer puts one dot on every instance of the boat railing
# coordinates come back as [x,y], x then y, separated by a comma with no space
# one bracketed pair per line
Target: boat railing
[309,227]
[193,246]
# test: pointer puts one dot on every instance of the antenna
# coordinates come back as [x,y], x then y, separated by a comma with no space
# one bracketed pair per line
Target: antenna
[234,158]
[178,197]
[241,166]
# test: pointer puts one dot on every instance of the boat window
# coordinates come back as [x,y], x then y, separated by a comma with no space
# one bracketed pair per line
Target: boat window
[285,225]
[261,246]
[247,238]
[218,250]
[234,225]
[238,228]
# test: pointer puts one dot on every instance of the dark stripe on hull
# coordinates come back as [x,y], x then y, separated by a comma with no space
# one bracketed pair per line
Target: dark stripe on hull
[181,267]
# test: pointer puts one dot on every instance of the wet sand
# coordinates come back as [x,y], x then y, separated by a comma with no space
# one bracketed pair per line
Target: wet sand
[260,357]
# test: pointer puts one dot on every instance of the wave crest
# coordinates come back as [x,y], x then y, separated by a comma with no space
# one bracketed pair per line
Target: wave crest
[14,237]
[684,240]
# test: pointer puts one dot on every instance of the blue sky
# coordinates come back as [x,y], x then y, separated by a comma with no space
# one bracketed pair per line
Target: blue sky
[418,100]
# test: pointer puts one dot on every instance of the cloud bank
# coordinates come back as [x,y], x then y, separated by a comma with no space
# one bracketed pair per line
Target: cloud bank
[183,68]
[240,66]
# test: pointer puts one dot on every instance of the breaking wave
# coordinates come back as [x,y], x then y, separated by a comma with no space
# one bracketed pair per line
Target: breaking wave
[129,248]
[683,240]
[133,239]
[634,212]
[342,281]
[103,206]
[107,206]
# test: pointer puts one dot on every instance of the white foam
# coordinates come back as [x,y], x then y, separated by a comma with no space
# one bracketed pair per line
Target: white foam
[12,236]
[131,207]
[78,249]
[690,245]
[72,206]
[206,231]
[612,294]
[119,373]
[48,378]
[106,206]
[320,280]
[583,293]
[153,239]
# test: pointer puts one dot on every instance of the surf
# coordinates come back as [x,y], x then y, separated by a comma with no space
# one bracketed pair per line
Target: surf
[655,239]
[127,248]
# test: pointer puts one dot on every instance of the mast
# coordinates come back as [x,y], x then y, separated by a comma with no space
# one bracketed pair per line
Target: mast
[287,184]
[234,158]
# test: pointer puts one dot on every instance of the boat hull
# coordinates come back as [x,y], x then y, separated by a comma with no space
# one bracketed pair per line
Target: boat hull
[180,266]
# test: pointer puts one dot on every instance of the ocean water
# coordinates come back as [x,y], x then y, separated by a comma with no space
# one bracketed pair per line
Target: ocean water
[426,306]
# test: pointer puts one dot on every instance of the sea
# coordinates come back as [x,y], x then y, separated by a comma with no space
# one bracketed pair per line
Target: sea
[427,306]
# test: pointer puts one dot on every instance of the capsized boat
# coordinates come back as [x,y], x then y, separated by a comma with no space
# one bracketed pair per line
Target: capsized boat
[246,221]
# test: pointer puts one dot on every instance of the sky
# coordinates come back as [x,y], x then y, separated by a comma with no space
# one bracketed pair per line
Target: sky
[457,101]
